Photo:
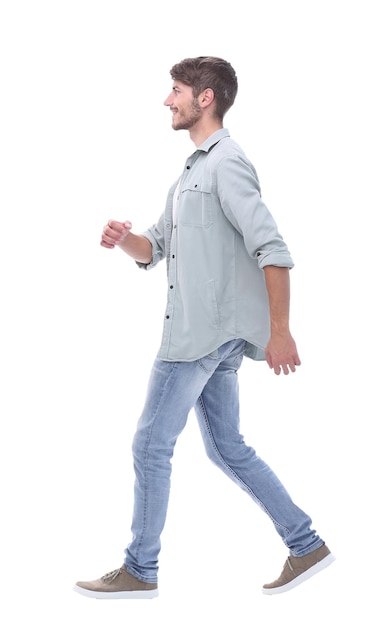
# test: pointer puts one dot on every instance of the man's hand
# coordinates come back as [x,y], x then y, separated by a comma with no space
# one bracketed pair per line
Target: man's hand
[114,233]
[281,353]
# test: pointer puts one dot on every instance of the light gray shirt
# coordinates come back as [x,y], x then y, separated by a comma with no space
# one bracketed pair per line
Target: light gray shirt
[222,237]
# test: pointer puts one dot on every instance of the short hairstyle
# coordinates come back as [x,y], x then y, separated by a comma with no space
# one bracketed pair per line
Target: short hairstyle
[214,73]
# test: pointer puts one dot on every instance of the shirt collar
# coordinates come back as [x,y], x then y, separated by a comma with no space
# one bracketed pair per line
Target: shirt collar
[213,139]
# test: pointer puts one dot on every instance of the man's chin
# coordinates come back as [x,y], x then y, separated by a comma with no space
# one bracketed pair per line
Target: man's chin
[178,126]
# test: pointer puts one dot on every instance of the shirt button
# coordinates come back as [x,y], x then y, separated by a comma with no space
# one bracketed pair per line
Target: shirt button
[171,286]
[167,317]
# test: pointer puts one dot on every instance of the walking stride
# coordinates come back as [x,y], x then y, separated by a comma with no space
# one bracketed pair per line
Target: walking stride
[228,298]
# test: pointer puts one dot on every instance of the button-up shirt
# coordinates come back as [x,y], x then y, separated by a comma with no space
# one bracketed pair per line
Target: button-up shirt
[222,237]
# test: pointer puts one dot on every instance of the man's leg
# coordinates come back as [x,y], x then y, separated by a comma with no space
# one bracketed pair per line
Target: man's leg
[172,392]
[218,413]
[217,410]
[174,387]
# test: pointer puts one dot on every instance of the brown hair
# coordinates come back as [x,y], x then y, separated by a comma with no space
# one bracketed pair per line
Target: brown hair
[214,73]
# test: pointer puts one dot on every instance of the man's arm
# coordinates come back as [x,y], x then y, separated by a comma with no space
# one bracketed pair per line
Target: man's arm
[119,234]
[281,350]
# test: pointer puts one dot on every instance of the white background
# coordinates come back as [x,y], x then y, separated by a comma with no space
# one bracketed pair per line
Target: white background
[85,138]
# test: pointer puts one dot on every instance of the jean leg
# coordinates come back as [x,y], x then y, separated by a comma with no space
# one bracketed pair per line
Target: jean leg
[217,410]
[173,389]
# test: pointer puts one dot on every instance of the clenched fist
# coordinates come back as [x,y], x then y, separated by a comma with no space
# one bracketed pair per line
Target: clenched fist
[114,233]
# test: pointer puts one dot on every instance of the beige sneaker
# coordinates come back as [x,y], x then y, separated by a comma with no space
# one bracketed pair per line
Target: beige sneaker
[300,568]
[117,584]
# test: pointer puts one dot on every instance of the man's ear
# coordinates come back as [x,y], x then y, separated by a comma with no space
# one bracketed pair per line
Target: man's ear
[206,98]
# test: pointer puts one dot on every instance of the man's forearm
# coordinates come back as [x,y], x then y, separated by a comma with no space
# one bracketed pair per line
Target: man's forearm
[278,289]
[138,247]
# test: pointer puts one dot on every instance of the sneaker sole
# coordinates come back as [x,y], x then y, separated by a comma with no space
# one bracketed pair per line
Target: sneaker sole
[117,595]
[302,577]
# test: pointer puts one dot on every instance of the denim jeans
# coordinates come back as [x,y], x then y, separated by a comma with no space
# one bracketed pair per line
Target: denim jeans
[210,385]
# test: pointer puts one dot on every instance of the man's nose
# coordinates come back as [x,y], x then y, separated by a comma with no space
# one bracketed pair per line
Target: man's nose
[168,101]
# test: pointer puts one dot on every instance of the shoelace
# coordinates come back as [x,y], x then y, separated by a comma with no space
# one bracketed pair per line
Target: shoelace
[110,576]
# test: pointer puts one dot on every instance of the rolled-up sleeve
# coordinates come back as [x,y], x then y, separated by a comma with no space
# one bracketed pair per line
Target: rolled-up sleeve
[156,236]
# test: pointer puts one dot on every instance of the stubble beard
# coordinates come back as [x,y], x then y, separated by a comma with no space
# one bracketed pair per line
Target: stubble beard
[190,118]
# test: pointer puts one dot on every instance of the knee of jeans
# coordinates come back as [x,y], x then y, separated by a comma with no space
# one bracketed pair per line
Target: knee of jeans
[213,453]
[138,444]
[147,451]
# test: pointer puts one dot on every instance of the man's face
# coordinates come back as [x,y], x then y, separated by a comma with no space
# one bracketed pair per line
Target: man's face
[186,111]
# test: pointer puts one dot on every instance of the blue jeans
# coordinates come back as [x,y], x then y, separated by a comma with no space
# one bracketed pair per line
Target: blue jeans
[209,384]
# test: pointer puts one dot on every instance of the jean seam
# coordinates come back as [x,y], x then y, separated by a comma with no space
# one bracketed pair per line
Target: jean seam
[146,461]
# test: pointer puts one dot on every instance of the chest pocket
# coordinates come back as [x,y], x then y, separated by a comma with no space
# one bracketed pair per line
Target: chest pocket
[195,205]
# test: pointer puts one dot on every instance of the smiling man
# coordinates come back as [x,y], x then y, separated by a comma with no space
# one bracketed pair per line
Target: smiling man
[228,298]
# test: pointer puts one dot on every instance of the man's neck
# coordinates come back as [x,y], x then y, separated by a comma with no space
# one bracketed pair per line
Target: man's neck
[203,130]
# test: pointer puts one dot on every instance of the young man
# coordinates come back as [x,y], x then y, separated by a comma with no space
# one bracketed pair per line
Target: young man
[228,297]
